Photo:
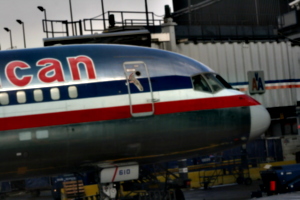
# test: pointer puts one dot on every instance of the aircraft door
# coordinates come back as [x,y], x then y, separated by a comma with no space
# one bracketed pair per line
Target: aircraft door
[139,88]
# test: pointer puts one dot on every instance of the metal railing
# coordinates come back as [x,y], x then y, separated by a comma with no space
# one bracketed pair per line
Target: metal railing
[122,14]
[76,27]
[91,28]
[97,24]
[141,22]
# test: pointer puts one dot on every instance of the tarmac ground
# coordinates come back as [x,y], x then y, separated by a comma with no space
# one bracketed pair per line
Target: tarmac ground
[225,192]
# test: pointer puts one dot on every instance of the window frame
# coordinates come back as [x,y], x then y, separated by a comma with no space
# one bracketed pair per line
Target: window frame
[200,74]
[213,91]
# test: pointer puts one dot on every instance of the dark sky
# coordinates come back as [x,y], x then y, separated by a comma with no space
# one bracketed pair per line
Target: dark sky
[26,10]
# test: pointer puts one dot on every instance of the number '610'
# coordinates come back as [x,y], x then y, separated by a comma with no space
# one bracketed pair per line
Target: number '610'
[124,172]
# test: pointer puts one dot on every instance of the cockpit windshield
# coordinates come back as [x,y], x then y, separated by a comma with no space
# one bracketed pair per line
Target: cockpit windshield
[209,82]
[200,84]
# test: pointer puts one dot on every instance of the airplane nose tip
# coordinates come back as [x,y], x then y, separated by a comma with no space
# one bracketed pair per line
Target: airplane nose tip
[260,121]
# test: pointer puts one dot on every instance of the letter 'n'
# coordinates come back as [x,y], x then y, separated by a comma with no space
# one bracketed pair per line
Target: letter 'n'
[87,62]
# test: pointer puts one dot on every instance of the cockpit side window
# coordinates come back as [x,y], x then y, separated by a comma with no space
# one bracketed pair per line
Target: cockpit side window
[214,82]
[200,84]
[226,85]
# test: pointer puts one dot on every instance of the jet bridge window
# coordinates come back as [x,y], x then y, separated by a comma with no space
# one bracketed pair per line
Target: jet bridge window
[200,84]
[25,136]
[4,100]
[42,134]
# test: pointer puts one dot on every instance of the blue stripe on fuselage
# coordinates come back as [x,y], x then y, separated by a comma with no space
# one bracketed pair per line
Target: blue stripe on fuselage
[109,88]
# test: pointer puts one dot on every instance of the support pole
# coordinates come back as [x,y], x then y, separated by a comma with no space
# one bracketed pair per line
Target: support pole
[147,17]
[103,15]
[70,3]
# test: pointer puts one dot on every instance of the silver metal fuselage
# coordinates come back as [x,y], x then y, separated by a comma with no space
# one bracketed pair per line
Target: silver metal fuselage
[69,106]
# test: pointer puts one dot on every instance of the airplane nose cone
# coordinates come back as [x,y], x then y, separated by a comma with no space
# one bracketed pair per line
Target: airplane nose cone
[260,121]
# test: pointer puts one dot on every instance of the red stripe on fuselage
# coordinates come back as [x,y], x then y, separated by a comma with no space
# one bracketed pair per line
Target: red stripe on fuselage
[122,112]
[204,104]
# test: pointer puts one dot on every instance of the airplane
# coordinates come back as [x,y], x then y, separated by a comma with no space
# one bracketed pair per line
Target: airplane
[63,107]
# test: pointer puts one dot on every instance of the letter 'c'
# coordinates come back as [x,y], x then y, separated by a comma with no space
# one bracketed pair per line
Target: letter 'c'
[10,72]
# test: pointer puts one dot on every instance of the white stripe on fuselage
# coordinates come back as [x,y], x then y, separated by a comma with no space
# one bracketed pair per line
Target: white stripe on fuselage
[106,102]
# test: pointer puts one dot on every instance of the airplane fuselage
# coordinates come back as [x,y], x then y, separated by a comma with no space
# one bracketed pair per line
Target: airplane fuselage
[68,106]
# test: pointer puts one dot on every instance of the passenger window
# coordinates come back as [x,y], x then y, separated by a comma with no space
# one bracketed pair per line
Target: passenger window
[73,92]
[214,82]
[54,93]
[4,100]
[21,97]
[200,84]
[38,95]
